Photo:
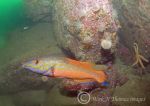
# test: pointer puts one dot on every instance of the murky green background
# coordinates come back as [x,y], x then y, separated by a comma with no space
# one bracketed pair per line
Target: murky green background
[11,16]
[16,44]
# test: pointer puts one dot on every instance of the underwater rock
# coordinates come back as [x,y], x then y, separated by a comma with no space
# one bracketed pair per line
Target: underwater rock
[14,81]
[115,78]
[30,98]
[39,10]
[101,98]
[134,19]
[88,24]
[123,52]
[100,95]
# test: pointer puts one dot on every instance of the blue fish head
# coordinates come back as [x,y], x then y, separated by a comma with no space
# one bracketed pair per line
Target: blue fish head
[40,66]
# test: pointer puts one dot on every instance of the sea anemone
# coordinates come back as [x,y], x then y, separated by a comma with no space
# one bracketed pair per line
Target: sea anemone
[106,44]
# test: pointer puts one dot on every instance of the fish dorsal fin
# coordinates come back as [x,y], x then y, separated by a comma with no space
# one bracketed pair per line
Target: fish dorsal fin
[85,65]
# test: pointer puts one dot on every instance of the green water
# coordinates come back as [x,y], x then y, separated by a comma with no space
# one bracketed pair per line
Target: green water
[11,16]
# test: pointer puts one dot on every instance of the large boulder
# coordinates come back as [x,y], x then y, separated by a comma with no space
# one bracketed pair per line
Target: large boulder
[39,10]
[87,28]
[134,18]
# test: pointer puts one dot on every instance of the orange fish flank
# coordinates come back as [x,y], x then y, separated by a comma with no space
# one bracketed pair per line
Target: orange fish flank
[66,68]
[79,70]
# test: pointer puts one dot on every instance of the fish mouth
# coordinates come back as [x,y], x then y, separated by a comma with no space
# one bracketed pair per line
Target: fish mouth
[25,66]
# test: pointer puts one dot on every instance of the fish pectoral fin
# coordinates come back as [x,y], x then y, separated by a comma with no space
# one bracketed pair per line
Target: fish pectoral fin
[100,67]
[49,72]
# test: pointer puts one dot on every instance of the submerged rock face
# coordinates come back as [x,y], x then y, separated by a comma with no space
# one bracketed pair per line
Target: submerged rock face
[87,28]
[134,18]
[38,10]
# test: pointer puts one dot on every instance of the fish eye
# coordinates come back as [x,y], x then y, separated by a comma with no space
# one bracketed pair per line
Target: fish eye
[36,61]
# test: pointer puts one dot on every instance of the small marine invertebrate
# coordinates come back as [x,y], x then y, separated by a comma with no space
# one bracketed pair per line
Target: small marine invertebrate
[106,44]
[78,25]
[87,38]
[87,46]
[44,78]
[139,57]
[74,28]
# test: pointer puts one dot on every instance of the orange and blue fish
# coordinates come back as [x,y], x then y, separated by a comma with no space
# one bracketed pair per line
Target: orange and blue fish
[61,67]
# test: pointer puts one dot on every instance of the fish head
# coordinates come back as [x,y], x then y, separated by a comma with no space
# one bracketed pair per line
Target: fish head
[41,66]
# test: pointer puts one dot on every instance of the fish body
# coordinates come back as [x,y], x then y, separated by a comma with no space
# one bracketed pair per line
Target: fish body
[61,67]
